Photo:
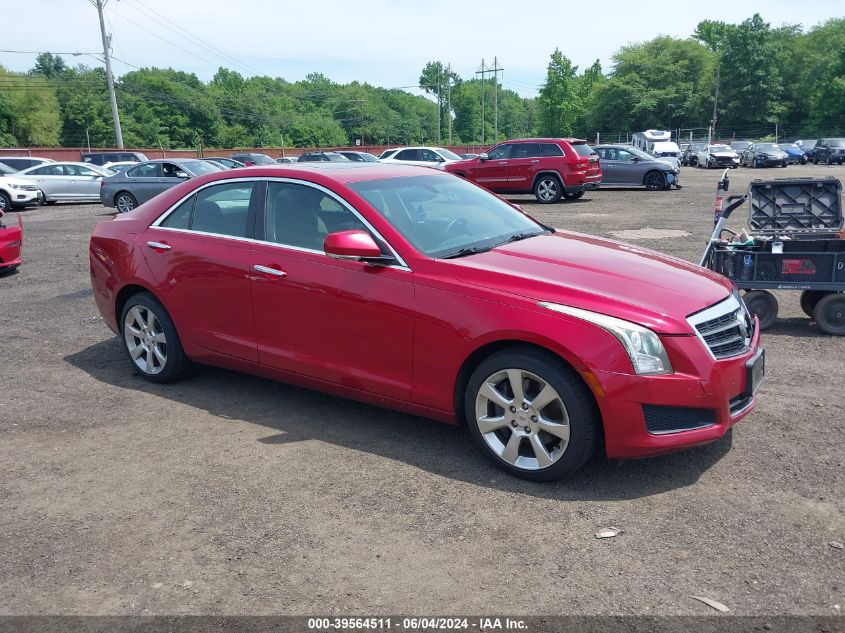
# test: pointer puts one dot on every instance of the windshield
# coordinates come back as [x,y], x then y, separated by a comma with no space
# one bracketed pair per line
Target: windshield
[448,155]
[786,146]
[721,148]
[768,147]
[5,169]
[199,167]
[444,216]
[640,153]
[837,142]
[261,159]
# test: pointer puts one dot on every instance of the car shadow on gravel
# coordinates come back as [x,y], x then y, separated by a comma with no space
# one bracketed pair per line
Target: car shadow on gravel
[293,414]
[794,326]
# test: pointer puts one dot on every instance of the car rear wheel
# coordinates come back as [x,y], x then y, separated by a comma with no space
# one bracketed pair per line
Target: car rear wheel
[809,299]
[763,304]
[574,195]
[547,189]
[655,181]
[150,339]
[531,414]
[125,202]
[830,314]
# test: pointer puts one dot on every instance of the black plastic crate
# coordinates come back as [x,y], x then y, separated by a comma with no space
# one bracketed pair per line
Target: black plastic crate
[794,267]
[787,205]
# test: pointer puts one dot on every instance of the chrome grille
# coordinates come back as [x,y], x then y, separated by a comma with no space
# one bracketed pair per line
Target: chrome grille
[725,328]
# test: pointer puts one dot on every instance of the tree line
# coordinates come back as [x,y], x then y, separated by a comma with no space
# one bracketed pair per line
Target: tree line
[765,76]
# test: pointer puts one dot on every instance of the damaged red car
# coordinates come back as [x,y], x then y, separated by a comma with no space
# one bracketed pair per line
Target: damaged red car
[417,290]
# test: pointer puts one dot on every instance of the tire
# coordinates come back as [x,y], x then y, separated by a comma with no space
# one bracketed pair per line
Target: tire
[783,164]
[124,202]
[655,180]
[764,305]
[575,195]
[809,299]
[541,444]
[755,163]
[827,160]
[547,189]
[5,202]
[830,314]
[150,340]
[693,161]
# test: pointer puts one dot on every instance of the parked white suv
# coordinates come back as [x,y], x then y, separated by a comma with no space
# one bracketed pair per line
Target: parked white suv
[16,192]
[436,157]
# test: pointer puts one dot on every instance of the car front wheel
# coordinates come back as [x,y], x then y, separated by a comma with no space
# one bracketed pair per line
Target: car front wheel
[531,414]
[655,181]
[125,202]
[547,189]
[150,339]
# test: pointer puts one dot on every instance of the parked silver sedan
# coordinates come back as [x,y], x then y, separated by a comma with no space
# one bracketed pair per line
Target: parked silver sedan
[627,166]
[66,181]
[131,187]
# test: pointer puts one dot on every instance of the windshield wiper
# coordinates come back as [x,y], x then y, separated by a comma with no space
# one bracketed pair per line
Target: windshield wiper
[520,236]
[471,250]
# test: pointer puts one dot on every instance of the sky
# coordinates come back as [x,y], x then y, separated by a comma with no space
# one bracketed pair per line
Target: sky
[382,42]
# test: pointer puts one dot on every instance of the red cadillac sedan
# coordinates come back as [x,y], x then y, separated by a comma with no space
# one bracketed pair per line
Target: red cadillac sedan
[417,290]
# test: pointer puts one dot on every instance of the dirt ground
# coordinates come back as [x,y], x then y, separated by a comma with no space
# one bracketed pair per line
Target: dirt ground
[228,494]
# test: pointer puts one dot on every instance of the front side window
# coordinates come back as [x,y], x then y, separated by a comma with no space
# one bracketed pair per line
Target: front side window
[443,216]
[500,153]
[302,216]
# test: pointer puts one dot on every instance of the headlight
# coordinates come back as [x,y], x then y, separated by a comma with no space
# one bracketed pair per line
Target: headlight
[16,186]
[647,354]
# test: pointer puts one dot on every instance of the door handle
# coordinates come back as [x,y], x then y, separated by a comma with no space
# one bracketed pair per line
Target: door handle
[535,161]
[275,272]
[159,246]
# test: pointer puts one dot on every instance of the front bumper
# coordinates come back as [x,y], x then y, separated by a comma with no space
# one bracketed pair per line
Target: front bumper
[24,197]
[715,389]
[770,162]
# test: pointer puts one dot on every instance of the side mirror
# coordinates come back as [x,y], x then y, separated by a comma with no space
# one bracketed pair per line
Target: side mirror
[355,245]
[483,156]
[182,175]
[635,159]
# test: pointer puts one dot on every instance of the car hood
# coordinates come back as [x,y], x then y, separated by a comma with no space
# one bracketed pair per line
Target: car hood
[605,276]
[17,180]
[724,154]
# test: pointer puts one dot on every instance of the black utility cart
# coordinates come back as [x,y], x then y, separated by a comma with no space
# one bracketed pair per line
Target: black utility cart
[794,241]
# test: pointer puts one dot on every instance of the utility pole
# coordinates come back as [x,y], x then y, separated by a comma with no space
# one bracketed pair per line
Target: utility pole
[118,133]
[715,106]
[495,100]
[449,99]
[439,102]
[482,100]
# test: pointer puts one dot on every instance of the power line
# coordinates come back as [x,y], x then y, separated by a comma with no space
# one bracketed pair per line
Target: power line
[169,24]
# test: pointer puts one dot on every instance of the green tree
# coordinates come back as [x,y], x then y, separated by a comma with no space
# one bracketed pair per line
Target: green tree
[560,101]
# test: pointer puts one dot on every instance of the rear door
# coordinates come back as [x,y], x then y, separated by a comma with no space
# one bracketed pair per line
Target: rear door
[143,181]
[200,255]
[523,165]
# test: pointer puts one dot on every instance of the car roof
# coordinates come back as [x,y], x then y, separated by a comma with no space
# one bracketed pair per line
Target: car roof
[538,140]
[345,172]
[46,160]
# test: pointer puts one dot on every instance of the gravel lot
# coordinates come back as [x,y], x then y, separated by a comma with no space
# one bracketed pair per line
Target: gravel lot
[229,494]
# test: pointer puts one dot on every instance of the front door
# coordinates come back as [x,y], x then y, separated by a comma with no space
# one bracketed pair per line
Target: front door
[144,181]
[524,163]
[200,255]
[344,322]
[493,172]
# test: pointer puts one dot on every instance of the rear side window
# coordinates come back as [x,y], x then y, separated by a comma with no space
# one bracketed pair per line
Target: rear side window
[149,170]
[550,149]
[582,149]
[525,150]
[220,209]
[408,154]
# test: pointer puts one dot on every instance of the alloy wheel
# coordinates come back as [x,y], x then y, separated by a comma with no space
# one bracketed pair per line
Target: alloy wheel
[145,340]
[547,189]
[125,203]
[522,419]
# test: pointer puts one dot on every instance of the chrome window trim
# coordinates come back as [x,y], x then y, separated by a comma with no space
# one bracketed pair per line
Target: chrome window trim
[400,265]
